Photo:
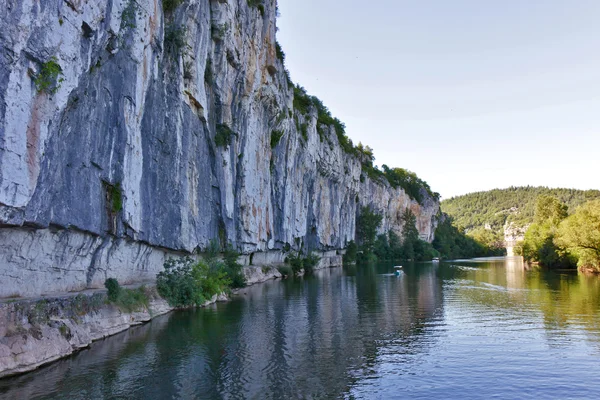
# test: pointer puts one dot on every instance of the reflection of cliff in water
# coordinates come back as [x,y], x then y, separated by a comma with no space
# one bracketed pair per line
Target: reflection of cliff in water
[104,367]
[282,339]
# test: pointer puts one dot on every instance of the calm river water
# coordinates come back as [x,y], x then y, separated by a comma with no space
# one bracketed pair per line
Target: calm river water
[462,329]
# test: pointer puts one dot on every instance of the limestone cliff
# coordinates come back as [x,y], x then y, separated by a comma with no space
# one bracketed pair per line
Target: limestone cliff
[131,130]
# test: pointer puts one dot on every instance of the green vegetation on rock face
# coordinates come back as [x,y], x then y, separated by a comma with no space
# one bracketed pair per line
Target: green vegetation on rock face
[224,135]
[170,5]
[259,5]
[409,181]
[175,40]
[397,177]
[275,138]
[47,80]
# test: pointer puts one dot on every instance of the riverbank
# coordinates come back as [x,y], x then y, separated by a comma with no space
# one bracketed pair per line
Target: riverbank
[38,331]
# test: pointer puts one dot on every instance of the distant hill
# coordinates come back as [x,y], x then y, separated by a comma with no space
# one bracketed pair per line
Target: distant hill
[494,208]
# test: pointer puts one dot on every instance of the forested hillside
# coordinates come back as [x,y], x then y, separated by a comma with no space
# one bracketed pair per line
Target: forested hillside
[516,204]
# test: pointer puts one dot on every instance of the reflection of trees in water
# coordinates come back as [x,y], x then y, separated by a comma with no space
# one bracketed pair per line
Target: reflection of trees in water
[564,299]
[310,337]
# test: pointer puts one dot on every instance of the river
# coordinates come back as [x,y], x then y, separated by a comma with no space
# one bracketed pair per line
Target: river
[463,329]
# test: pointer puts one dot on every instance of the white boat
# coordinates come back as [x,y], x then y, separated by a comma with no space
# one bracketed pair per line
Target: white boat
[435,260]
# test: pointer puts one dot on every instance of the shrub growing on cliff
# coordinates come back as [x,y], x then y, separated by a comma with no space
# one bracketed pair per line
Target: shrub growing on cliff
[170,5]
[302,101]
[47,80]
[113,287]
[224,135]
[218,31]
[259,5]
[275,138]
[175,40]
[280,53]
[127,300]
[409,181]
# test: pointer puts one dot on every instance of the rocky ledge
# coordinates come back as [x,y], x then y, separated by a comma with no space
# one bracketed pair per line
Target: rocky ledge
[34,332]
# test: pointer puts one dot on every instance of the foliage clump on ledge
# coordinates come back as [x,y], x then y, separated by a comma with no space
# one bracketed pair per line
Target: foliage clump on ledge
[188,282]
[297,263]
[127,300]
[258,4]
[275,138]
[170,5]
[47,80]
[224,136]
[397,177]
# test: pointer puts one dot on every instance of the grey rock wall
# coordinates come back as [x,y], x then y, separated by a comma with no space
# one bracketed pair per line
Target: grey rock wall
[120,167]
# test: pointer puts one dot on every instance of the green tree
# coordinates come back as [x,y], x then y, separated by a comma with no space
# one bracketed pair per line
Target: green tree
[382,247]
[366,228]
[539,245]
[350,255]
[580,235]
[395,246]
[452,242]
[495,208]
[233,269]
[490,239]
[410,234]
[549,210]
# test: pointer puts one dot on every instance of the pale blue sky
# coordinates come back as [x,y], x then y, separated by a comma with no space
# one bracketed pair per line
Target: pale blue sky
[469,94]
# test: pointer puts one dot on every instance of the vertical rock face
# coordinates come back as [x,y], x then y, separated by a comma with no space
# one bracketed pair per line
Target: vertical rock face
[153,137]
[513,235]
